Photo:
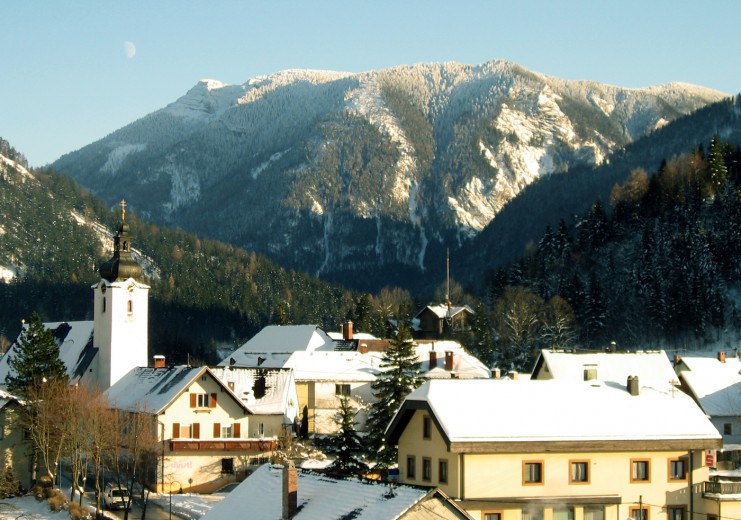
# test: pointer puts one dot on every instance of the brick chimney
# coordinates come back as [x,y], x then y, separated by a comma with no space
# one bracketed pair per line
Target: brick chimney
[159,361]
[433,359]
[347,331]
[448,360]
[290,491]
[722,356]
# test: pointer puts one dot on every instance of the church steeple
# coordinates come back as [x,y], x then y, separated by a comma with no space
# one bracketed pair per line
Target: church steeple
[122,266]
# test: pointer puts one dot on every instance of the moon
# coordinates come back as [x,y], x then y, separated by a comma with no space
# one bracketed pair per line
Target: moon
[129,49]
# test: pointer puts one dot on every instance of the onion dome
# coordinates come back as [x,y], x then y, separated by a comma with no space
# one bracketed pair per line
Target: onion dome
[122,266]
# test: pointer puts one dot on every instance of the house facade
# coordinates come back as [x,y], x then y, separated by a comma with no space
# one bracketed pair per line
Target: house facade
[542,450]
[15,446]
[206,431]
[442,321]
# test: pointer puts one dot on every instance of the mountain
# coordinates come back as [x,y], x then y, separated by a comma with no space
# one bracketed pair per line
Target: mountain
[205,294]
[369,176]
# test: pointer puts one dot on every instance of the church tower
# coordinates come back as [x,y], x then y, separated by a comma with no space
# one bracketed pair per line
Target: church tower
[121,312]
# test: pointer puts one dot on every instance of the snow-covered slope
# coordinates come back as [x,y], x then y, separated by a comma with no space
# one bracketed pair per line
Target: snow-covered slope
[332,171]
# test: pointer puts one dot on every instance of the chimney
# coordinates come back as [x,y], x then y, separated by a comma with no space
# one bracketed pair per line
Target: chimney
[433,359]
[633,387]
[496,373]
[363,348]
[347,331]
[290,491]
[448,360]
[722,356]
[590,372]
[159,361]
[513,375]
[677,359]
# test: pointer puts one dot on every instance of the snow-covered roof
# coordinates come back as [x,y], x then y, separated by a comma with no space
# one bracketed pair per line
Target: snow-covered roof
[6,399]
[146,389]
[286,339]
[650,366]
[360,336]
[715,384]
[75,340]
[465,365]
[320,497]
[443,311]
[502,411]
[280,396]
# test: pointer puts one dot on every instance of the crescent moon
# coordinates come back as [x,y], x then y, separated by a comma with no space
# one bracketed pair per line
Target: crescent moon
[129,49]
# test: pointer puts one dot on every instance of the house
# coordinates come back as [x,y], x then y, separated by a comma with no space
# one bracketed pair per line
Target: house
[275,493]
[558,449]
[15,446]
[652,367]
[330,366]
[323,375]
[441,321]
[100,352]
[212,424]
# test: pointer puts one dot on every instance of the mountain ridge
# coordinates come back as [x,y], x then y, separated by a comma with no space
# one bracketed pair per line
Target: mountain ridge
[333,172]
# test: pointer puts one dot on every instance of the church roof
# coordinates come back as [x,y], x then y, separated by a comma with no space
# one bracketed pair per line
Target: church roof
[122,265]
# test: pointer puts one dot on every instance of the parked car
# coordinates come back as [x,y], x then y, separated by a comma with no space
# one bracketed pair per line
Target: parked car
[115,497]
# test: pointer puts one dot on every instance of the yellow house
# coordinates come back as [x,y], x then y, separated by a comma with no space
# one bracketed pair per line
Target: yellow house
[557,450]
[15,446]
[210,423]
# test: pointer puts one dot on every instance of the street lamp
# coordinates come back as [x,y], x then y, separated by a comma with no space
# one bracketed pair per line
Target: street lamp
[180,486]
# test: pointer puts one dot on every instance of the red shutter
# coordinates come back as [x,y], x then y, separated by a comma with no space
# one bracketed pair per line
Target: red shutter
[196,431]
[217,430]
[212,401]
[175,430]
[236,430]
[192,400]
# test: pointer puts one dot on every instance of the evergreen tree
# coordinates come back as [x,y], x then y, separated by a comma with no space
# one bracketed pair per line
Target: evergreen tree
[346,445]
[35,359]
[401,374]
[304,428]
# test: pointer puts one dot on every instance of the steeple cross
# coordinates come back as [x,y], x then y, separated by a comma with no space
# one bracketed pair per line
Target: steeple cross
[123,210]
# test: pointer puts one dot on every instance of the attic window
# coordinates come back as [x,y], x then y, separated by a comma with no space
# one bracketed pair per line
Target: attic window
[231,385]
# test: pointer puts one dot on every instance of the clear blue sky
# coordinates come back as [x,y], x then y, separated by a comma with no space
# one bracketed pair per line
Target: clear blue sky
[68,79]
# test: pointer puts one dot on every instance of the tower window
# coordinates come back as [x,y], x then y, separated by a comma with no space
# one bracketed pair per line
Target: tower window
[126,246]
[131,307]
[104,304]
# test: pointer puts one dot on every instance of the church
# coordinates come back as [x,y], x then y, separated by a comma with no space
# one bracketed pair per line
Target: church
[99,353]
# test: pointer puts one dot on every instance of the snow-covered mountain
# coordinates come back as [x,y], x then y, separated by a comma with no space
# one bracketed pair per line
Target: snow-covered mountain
[334,172]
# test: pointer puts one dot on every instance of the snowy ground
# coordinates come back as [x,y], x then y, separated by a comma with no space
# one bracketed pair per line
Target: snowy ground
[188,506]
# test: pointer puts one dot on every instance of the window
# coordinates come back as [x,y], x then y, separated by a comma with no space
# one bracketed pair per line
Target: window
[491,515]
[226,431]
[261,429]
[637,513]
[532,472]
[411,467]
[227,466]
[675,512]
[563,513]
[231,385]
[640,470]
[677,469]
[426,469]
[426,427]
[727,429]
[342,390]
[579,472]
[442,471]
[203,401]
[103,303]
[185,431]
[594,513]
[130,307]
[532,513]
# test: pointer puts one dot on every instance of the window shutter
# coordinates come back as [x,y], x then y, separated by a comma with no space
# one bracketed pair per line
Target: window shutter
[175,430]
[217,430]
[236,430]
[212,401]
[196,430]
[192,400]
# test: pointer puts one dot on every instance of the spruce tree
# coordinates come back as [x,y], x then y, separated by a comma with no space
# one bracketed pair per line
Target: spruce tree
[34,360]
[347,445]
[401,374]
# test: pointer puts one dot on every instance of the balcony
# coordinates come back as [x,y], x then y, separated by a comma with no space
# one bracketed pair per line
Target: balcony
[244,445]
[722,490]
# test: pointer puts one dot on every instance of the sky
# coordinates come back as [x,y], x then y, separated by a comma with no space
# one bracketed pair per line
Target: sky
[73,72]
